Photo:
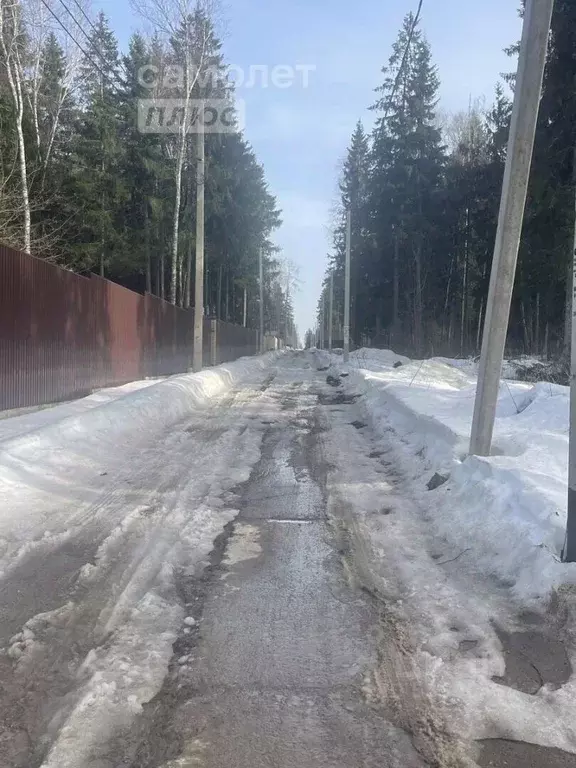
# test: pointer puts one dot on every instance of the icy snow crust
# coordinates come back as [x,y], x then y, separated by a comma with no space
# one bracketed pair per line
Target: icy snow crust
[475,554]
[140,476]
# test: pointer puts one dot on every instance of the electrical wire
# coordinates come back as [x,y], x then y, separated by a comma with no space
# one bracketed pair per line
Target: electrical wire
[404,57]
[88,57]
[81,28]
[83,12]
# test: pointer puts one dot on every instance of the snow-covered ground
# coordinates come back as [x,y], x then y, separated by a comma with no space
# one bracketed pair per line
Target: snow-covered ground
[136,483]
[463,563]
[511,506]
[19,421]
[105,503]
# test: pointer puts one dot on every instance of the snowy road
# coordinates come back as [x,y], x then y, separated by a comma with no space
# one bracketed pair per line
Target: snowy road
[275,670]
[201,591]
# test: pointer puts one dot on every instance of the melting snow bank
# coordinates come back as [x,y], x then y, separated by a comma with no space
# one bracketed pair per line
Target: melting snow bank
[136,488]
[509,509]
[479,610]
[48,475]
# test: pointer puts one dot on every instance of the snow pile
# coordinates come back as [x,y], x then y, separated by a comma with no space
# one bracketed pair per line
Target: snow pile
[138,482]
[509,509]
[47,474]
[461,564]
[17,422]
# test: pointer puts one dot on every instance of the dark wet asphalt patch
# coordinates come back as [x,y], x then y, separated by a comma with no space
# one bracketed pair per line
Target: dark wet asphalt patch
[533,659]
[501,753]
[341,398]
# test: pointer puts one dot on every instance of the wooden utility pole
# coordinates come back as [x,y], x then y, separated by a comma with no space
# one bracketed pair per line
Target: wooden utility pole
[199,275]
[537,18]
[347,289]
[569,554]
[331,311]
[261,273]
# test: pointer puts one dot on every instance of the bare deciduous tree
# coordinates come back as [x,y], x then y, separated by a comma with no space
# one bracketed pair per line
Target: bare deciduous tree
[11,48]
[188,22]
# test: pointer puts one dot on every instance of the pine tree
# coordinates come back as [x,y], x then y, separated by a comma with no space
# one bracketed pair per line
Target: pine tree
[140,174]
[99,152]
[408,160]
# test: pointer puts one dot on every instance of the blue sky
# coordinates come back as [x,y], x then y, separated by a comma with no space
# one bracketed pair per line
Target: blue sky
[301,134]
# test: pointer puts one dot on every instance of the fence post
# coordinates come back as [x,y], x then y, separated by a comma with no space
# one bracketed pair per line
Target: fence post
[214,341]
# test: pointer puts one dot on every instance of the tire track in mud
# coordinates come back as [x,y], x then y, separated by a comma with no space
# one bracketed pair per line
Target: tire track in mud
[398,680]
[46,580]
[533,658]
[176,727]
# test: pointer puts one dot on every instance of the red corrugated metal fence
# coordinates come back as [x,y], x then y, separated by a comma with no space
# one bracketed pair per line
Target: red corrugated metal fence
[62,334]
[234,341]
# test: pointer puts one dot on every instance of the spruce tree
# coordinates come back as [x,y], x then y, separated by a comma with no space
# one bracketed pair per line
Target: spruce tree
[99,152]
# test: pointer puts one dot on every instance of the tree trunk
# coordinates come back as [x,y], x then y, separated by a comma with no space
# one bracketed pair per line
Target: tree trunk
[527,345]
[162,271]
[479,329]
[102,194]
[187,293]
[219,294]
[102,209]
[34,104]
[447,300]
[227,297]
[24,183]
[418,299]
[14,75]
[463,315]
[537,329]
[176,219]
[53,130]
[396,286]
[181,278]
[147,248]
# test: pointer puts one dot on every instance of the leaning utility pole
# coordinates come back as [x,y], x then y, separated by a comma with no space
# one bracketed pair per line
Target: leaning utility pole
[569,554]
[537,18]
[199,274]
[261,272]
[347,289]
[323,319]
[331,311]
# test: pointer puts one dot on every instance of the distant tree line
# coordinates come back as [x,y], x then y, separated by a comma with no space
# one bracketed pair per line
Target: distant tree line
[81,185]
[424,195]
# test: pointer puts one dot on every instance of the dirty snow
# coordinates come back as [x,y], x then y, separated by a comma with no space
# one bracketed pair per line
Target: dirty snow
[511,506]
[141,478]
[472,556]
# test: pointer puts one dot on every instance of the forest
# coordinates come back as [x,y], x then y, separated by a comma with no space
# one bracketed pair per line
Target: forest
[423,190]
[82,186]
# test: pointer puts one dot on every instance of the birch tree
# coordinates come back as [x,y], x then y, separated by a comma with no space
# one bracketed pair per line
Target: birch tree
[186,25]
[61,69]
[12,49]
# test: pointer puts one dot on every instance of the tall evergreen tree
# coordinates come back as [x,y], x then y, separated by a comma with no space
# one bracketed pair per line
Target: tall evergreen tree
[99,152]
[408,159]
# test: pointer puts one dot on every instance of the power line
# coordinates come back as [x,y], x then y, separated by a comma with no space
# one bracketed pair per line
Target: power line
[71,36]
[81,28]
[83,12]
[404,57]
